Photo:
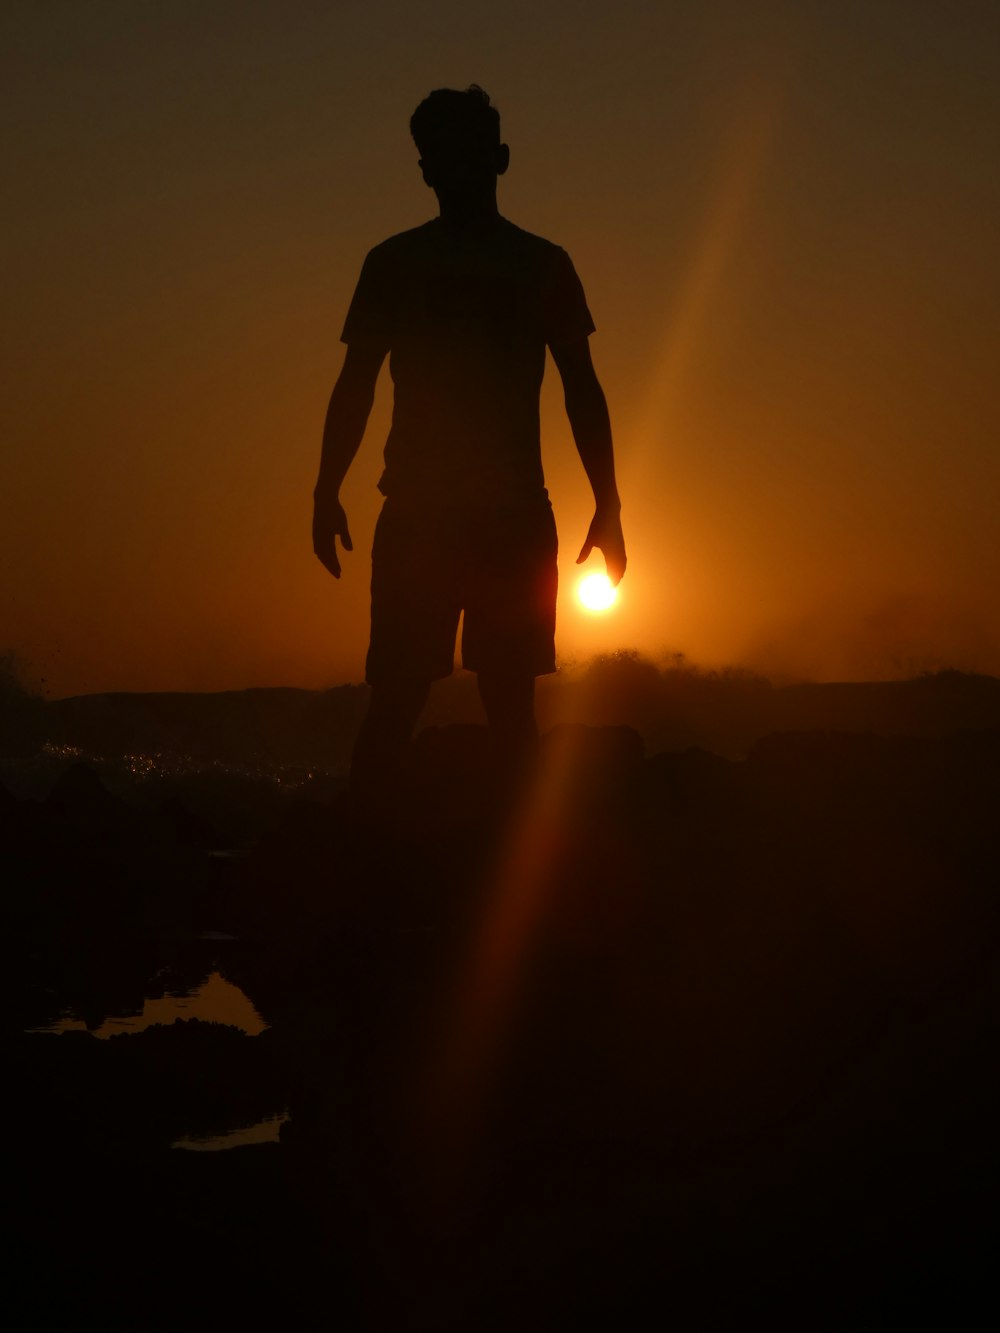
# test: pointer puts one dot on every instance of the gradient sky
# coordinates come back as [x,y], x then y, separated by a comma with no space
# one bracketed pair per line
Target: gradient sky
[785,217]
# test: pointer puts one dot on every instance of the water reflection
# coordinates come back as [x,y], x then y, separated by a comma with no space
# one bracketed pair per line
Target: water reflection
[215,1000]
[267,1130]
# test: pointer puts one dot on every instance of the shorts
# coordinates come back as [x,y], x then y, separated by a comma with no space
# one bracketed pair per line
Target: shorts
[497,566]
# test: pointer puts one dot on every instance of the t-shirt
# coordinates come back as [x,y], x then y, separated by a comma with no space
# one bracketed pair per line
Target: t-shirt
[466,319]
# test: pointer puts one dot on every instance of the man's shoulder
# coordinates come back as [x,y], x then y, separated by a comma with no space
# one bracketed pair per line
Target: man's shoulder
[427,236]
[403,243]
[549,262]
[528,240]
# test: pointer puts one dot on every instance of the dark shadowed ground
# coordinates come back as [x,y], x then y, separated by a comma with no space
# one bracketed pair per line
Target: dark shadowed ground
[656,1037]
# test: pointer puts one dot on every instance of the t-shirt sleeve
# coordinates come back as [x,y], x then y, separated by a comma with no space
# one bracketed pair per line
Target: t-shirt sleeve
[369,317]
[564,306]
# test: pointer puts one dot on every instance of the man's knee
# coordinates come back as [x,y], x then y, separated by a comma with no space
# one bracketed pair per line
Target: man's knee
[393,710]
[508,698]
[404,695]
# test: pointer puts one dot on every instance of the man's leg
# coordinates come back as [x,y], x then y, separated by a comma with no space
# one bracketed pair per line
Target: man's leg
[415,613]
[510,618]
[509,701]
[393,710]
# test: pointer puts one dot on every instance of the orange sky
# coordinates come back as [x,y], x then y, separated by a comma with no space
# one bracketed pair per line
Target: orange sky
[785,218]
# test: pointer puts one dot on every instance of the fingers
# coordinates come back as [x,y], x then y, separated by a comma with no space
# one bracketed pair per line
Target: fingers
[327,556]
[609,541]
[614,558]
[329,523]
[345,537]
[615,563]
[325,551]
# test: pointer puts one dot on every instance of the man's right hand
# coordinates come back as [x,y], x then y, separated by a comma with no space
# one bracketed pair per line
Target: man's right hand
[329,523]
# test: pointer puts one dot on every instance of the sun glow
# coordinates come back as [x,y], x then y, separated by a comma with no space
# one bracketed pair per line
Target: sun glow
[596,592]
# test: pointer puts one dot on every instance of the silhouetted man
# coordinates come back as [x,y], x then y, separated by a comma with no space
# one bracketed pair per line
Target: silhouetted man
[465,307]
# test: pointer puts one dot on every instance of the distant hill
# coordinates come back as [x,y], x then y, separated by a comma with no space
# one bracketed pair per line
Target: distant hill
[672,708]
[283,726]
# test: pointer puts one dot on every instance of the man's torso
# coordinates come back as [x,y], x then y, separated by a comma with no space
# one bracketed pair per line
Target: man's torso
[466,318]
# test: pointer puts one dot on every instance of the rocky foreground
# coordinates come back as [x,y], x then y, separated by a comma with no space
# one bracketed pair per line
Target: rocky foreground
[638,1041]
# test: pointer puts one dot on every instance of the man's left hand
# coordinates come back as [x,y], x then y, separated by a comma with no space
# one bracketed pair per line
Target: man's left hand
[605,533]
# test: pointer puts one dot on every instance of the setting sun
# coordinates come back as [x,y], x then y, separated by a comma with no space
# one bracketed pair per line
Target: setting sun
[596,592]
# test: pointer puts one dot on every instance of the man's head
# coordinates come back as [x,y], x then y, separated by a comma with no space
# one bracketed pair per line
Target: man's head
[458,137]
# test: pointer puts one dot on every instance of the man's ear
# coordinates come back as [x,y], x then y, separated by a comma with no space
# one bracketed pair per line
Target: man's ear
[503,159]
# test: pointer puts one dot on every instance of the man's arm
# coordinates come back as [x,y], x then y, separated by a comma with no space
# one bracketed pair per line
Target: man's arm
[346,418]
[587,410]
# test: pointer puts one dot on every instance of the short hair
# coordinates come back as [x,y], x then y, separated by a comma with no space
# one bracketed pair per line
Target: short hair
[447,107]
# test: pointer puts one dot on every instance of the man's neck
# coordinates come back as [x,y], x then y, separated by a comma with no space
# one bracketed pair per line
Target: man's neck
[465,214]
